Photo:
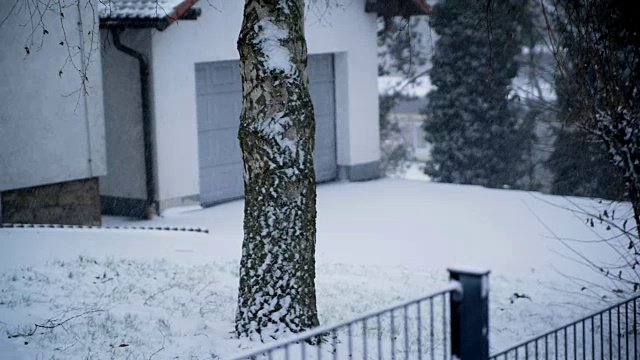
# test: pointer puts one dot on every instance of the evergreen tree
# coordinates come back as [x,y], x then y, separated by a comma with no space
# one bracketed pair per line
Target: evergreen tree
[581,167]
[476,136]
[581,163]
[401,46]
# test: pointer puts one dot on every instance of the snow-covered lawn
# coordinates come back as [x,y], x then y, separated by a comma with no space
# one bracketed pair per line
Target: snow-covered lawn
[138,294]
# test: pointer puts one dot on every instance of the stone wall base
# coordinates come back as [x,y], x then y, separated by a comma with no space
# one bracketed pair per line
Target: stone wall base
[74,202]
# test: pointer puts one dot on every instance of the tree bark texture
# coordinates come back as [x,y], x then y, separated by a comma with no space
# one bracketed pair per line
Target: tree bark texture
[277,129]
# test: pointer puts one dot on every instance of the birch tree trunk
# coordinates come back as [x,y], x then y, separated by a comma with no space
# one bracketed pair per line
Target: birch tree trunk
[277,129]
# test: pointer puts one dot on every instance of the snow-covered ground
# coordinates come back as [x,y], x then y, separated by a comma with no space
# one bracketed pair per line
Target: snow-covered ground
[138,294]
[411,170]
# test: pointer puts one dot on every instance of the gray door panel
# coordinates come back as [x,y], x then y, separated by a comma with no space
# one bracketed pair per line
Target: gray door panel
[219,103]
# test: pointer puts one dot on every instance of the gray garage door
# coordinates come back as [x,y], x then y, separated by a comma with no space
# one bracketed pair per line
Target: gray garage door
[219,102]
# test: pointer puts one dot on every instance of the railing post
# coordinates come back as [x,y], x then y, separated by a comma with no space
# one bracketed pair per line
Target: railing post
[470,315]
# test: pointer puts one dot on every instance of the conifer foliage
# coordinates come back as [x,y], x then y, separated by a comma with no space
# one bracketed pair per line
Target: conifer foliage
[472,124]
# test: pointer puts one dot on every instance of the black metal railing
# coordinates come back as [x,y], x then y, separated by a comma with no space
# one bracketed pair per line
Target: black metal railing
[608,334]
[417,329]
[453,324]
[423,328]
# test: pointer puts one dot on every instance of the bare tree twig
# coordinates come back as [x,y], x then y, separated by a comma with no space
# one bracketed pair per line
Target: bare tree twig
[164,338]
[158,293]
[617,272]
[52,324]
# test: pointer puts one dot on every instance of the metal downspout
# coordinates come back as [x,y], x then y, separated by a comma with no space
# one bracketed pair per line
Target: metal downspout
[146,118]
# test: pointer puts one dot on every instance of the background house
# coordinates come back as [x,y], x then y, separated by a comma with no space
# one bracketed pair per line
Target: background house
[409,112]
[410,117]
[195,101]
[52,147]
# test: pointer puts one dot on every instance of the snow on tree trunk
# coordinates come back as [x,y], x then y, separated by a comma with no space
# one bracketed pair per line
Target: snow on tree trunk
[277,129]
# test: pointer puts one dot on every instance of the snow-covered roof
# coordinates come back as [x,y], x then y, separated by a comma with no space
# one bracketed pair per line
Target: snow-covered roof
[142,9]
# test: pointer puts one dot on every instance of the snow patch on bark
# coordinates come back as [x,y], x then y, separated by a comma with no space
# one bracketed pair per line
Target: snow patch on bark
[284,307]
[277,57]
[274,128]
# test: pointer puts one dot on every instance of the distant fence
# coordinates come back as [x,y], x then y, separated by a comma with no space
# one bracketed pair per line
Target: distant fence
[608,334]
[91,227]
[430,327]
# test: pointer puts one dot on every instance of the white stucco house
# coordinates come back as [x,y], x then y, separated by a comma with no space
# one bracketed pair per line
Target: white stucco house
[194,99]
[145,116]
[52,143]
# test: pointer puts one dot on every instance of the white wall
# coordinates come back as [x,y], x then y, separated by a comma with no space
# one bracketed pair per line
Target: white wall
[50,129]
[346,30]
[350,31]
[123,115]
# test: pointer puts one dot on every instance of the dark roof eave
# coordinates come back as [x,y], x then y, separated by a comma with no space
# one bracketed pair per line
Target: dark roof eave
[184,11]
[132,23]
[404,8]
[180,10]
